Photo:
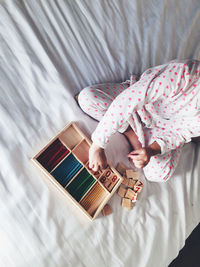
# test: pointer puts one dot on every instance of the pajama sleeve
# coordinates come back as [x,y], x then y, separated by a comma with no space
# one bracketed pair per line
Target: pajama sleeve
[170,140]
[117,116]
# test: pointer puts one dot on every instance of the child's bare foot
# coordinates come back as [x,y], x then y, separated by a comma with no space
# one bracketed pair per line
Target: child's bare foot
[132,138]
[97,158]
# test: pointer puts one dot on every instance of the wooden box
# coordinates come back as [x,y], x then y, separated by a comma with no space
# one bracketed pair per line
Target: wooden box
[65,162]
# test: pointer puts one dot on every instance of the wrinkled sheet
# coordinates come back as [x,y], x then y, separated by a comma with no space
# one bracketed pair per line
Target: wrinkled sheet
[49,51]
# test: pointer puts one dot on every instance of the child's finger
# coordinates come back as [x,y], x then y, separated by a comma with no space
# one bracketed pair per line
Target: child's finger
[104,165]
[135,157]
[96,168]
[139,164]
[91,165]
[136,152]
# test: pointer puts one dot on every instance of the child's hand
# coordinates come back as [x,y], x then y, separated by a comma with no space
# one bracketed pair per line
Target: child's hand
[140,157]
[97,158]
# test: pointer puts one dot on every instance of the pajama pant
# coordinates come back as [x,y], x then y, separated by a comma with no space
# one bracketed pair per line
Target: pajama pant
[95,100]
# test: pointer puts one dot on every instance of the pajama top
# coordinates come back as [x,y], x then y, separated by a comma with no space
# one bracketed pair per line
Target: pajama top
[166,99]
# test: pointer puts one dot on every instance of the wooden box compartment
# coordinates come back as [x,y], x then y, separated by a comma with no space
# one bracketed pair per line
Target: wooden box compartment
[64,160]
[70,137]
[81,151]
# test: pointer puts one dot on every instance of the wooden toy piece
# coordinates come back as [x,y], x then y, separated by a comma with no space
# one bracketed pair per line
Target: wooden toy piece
[127,203]
[109,179]
[122,191]
[106,210]
[131,183]
[137,189]
[121,168]
[139,183]
[131,174]
[104,179]
[134,198]
[124,175]
[110,183]
[130,193]
[114,179]
[107,172]
[125,181]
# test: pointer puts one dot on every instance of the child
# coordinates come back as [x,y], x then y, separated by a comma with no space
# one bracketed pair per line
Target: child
[158,114]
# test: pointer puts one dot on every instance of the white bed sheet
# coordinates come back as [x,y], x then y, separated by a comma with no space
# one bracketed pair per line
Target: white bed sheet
[49,51]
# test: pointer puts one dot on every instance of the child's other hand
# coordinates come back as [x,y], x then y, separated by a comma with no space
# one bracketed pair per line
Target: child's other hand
[97,158]
[140,157]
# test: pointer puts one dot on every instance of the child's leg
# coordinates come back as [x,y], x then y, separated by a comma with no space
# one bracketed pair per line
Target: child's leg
[161,167]
[95,100]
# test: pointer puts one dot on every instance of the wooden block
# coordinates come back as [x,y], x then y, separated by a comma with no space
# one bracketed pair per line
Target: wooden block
[130,193]
[137,189]
[131,174]
[131,183]
[111,183]
[124,175]
[121,168]
[125,181]
[106,210]
[139,183]
[127,203]
[134,198]
[109,179]
[107,172]
[102,179]
[121,191]
[105,178]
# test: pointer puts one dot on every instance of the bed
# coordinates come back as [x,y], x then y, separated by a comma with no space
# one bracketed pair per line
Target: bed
[49,51]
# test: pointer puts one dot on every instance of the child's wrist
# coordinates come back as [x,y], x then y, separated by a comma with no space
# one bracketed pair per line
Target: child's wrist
[97,147]
[154,149]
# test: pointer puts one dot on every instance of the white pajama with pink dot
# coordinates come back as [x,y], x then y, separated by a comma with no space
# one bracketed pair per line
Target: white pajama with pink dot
[162,106]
